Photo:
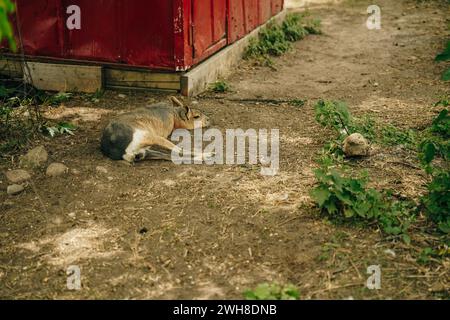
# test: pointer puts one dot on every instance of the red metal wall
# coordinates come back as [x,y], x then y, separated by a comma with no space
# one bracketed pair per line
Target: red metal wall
[159,34]
[135,32]
[246,15]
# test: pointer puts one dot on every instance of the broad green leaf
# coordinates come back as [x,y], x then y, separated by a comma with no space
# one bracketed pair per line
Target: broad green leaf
[320,195]
[444,55]
[348,212]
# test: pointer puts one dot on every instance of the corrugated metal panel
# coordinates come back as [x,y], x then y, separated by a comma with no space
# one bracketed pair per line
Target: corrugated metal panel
[208,24]
[148,33]
[135,32]
[39,22]
[97,38]
[246,15]
[159,34]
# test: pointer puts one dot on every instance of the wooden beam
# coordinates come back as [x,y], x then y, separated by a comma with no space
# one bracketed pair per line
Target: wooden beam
[57,76]
[11,68]
[64,77]
[141,79]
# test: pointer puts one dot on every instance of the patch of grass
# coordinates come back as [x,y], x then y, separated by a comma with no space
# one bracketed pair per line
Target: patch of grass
[393,136]
[220,86]
[20,119]
[293,29]
[273,291]
[336,115]
[276,39]
[271,41]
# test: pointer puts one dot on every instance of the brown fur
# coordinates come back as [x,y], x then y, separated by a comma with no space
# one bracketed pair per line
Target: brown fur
[135,135]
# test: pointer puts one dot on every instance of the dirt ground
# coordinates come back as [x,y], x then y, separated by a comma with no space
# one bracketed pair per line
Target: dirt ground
[157,230]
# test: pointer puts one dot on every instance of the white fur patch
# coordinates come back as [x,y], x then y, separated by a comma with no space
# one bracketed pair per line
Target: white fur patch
[134,145]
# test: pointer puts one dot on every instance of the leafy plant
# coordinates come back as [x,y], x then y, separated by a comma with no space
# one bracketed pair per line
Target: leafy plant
[61,128]
[426,255]
[57,98]
[275,39]
[445,56]
[293,29]
[313,26]
[349,199]
[272,41]
[220,86]
[392,136]
[441,125]
[7,7]
[435,141]
[437,201]
[274,291]
[334,115]
[435,145]
[19,120]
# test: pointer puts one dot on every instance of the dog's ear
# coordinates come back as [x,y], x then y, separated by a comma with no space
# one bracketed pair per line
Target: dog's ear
[188,112]
[185,113]
[176,102]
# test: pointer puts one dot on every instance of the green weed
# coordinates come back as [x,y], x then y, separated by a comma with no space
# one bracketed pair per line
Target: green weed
[273,291]
[220,86]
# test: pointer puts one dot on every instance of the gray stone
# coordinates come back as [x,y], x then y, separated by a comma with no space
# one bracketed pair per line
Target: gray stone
[356,145]
[35,158]
[17,176]
[56,169]
[15,189]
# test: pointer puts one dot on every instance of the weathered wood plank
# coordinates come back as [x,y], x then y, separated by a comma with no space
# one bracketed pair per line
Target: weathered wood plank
[142,79]
[63,77]
[11,68]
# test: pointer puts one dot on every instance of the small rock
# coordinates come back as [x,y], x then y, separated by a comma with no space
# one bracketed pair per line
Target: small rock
[14,189]
[356,145]
[35,158]
[56,169]
[17,176]
[101,169]
[122,96]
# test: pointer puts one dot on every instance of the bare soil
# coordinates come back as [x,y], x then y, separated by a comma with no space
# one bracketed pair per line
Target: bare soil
[157,230]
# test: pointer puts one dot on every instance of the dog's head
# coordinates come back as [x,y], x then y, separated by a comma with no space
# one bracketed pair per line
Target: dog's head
[189,118]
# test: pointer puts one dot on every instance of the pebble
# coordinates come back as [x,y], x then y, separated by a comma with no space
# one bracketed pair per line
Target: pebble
[56,169]
[17,176]
[35,158]
[14,189]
